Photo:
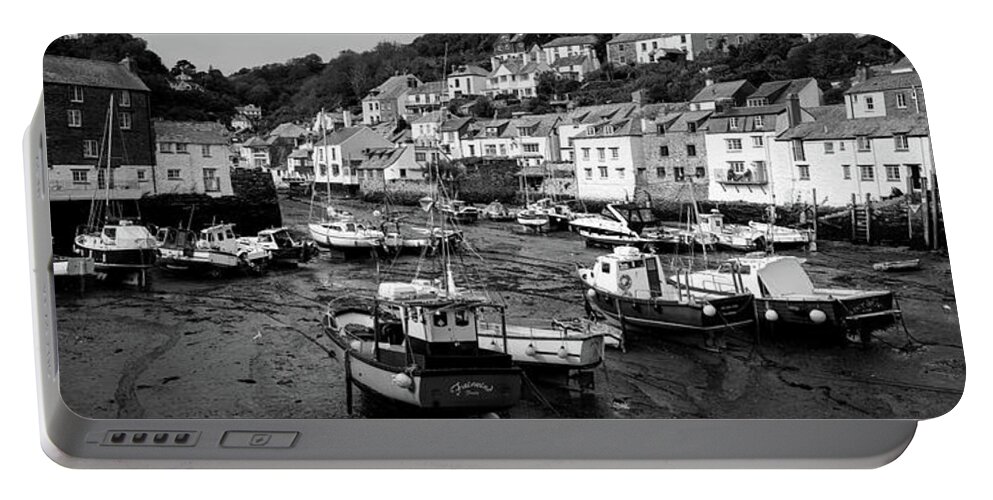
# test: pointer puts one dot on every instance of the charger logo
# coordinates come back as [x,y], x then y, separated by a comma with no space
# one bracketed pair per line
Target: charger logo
[460,389]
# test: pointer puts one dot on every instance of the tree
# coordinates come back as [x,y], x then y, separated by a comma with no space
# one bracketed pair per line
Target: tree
[483,108]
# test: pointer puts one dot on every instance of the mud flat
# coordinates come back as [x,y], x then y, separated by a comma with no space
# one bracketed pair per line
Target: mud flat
[252,347]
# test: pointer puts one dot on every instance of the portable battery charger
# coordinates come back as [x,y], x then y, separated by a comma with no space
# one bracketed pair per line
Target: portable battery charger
[482,250]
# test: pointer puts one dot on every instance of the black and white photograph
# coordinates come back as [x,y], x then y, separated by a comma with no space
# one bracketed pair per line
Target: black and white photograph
[501,225]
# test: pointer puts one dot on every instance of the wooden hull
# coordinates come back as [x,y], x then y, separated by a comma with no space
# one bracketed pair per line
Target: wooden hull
[655,316]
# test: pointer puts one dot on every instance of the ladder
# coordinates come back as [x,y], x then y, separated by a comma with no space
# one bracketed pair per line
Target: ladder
[861,220]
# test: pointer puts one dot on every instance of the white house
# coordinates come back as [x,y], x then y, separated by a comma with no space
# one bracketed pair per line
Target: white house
[400,163]
[516,78]
[338,154]
[609,160]
[531,140]
[424,129]
[466,81]
[192,157]
[578,120]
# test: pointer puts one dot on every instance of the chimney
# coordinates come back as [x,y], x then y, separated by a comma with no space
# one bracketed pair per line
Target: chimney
[128,63]
[708,82]
[638,97]
[346,117]
[862,73]
[793,110]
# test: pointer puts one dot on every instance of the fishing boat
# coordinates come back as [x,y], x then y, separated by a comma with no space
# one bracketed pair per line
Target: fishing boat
[630,289]
[559,214]
[401,236]
[497,212]
[460,212]
[625,225]
[345,235]
[785,295]
[216,251]
[534,221]
[747,238]
[282,246]
[568,345]
[417,344]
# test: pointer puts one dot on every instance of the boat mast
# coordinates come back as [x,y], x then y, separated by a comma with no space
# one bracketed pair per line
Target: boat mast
[327,202]
[110,147]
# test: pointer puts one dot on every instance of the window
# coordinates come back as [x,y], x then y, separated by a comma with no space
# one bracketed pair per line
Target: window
[660,172]
[737,167]
[701,172]
[644,46]
[124,118]
[586,153]
[710,43]
[759,122]
[503,150]
[165,147]
[620,173]
[205,150]
[80,176]
[531,147]
[869,104]
[589,172]
[615,153]
[472,150]
[660,128]
[741,39]
[490,149]
[335,170]
[75,118]
[798,154]
[733,123]
[862,143]
[758,141]
[691,150]
[141,175]
[691,128]
[173,174]
[734,144]
[682,38]
[90,149]
[803,171]
[420,156]
[867,172]
[846,172]
[663,150]
[324,170]
[601,154]
[75,93]
[125,99]
[181,147]
[900,142]
[829,148]
[679,173]
[892,173]
[841,145]
[603,172]
[901,100]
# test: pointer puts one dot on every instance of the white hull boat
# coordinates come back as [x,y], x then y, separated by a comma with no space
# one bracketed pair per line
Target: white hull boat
[571,345]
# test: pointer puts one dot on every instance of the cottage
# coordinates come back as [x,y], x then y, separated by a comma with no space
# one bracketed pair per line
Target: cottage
[192,157]
[466,81]
[339,153]
[388,101]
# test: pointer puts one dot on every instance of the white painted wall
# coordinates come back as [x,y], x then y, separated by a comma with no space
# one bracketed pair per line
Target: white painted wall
[619,183]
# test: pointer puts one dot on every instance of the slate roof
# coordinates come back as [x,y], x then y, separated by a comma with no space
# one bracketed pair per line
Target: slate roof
[633,37]
[776,92]
[191,132]
[837,126]
[432,117]
[290,130]
[599,113]
[300,153]
[564,41]
[718,91]
[391,88]
[469,70]
[90,73]
[575,60]
[255,142]
[886,82]
[381,158]
[339,136]
[454,124]
[429,88]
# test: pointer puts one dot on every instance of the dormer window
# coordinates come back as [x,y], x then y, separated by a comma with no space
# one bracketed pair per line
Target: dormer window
[759,122]
[733,123]
[660,129]
[608,129]
[691,127]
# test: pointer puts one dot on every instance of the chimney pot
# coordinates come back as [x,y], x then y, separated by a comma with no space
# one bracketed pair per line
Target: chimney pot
[793,110]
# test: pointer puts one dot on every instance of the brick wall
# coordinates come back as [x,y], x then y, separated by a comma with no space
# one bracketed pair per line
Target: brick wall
[65,144]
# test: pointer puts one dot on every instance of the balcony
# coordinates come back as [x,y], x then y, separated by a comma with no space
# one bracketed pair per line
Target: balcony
[753,176]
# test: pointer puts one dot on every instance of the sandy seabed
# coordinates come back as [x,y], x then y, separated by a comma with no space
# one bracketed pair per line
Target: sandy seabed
[252,347]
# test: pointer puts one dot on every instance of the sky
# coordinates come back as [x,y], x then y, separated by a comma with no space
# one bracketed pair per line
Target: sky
[231,52]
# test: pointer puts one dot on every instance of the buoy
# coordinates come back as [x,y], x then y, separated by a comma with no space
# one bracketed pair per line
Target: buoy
[817,316]
[709,310]
[403,381]
[530,351]
[771,315]
[591,293]
[563,352]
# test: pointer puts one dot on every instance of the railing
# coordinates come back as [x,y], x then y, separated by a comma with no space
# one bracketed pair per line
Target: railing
[748,177]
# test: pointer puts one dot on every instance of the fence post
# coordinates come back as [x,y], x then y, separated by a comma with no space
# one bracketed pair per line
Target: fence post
[868,219]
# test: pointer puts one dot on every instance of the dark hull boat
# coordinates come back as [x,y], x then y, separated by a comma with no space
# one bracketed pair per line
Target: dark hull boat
[418,345]
[630,290]
[120,247]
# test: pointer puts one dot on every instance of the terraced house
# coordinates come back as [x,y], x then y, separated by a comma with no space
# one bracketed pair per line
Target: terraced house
[78,110]
[388,101]
[531,140]
[340,153]
[192,157]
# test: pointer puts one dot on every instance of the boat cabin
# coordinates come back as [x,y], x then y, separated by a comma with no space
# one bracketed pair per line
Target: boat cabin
[778,276]
[170,237]
[712,222]
[126,235]
[631,272]
[276,238]
[220,237]
[636,217]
